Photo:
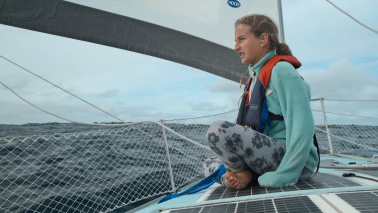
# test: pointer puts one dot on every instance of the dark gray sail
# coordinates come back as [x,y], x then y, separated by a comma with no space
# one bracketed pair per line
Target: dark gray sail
[75,21]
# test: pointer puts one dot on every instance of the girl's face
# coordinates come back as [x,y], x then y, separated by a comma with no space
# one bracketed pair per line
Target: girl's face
[247,44]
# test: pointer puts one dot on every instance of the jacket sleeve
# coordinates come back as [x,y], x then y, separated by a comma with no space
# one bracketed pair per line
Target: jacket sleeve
[295,105]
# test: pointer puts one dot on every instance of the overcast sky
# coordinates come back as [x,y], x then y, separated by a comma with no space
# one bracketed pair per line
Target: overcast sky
[339,58]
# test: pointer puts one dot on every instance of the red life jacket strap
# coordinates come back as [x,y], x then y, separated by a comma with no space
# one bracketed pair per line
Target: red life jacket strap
[249,81]
[266,70]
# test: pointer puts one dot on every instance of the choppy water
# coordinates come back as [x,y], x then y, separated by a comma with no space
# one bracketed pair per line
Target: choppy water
[87,172]
[51,167]
[45,129]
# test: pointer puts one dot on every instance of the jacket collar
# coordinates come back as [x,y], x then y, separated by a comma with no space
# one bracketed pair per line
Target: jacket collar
[257,67]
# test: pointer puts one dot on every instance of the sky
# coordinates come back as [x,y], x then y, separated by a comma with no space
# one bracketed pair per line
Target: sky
[339,57]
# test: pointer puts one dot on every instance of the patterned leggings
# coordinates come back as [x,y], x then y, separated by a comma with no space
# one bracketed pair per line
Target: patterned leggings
[240,148]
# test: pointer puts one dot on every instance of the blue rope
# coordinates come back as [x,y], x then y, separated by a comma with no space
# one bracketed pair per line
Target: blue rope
[204,184]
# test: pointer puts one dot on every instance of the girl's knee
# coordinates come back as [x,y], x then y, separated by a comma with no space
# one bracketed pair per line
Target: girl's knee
[212,132]
[216,125]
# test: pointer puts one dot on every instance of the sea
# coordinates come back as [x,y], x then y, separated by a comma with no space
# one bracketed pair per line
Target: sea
[48,167]
[66,167]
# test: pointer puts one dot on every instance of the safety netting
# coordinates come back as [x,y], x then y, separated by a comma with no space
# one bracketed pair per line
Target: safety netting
[106,169]
[346,126]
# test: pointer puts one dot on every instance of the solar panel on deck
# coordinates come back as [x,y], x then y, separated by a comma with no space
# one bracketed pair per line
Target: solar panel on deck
[319,181]
[296,204]
[212,208]
[256,206]
[362,201]
[190,210]
[291,204]
[220,208]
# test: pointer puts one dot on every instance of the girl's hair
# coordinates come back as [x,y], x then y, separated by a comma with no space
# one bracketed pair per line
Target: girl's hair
[262,24]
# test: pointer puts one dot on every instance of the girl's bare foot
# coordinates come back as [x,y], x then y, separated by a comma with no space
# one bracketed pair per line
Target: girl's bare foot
[238,180]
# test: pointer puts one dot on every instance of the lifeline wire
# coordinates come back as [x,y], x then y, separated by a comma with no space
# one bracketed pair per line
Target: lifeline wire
[346,114]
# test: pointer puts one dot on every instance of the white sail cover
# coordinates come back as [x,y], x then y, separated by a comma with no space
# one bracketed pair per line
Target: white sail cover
[196,33]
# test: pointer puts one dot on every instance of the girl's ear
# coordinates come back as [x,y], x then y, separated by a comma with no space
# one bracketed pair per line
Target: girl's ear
[264,39]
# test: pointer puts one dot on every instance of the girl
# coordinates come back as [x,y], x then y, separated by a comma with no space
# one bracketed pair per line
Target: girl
[276,153]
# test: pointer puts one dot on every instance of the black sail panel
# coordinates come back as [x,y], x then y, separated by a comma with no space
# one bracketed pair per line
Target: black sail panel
[75,21]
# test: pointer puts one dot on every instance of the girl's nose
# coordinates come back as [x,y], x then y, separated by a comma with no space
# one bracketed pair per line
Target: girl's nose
[236,47]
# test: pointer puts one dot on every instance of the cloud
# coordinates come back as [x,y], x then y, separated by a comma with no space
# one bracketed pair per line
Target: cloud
[223,85]
[318,32]
[342,80]
[108,93]
[225,88]
[207,106]
[224,93]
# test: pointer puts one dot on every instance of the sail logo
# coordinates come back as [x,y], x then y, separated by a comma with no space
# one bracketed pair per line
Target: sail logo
[233,3]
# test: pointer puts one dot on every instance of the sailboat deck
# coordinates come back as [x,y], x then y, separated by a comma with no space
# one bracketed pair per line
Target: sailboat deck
[327,191]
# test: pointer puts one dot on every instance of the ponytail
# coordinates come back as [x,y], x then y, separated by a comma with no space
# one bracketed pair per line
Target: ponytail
[283,49]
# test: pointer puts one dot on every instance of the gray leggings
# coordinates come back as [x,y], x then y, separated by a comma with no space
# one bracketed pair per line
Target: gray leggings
[240,148]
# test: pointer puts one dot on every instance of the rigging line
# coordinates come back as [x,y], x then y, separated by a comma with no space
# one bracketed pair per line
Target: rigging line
[352,17]
[59,88]
[37,106]
[326,99]
[43,109]
[125,124]
[360,116]
[70,94]
[349,141]
[206,116]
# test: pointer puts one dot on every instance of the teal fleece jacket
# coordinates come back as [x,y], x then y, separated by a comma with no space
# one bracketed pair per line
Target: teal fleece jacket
[290,97]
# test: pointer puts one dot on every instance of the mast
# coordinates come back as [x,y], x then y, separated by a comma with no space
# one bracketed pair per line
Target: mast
[280,18]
